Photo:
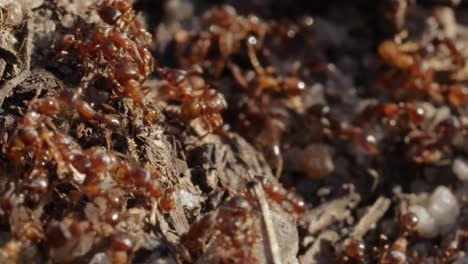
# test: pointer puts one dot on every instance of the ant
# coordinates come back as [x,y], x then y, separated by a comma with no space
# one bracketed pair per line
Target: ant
[287,199]
[233,228]
[410,73]
[196,98]
[225,37]
[121,48]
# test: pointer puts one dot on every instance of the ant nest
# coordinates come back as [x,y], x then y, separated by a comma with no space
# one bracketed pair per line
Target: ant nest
[236,134]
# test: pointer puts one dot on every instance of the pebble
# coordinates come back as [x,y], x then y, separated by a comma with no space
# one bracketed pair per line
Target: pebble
[14,13]
[15,10]
[31,4]
[460,168]
[316,161]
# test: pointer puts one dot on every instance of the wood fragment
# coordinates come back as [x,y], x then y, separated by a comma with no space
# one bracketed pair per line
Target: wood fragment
[27,46]
[457,239]
[329,212]
[7,51]
[8,86]
[312,255]
[274,253]
[3,65]
[180,221]
[372,216]
[445,16]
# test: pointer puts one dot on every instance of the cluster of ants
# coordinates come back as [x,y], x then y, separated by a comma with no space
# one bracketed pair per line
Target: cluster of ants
[37,147]
[258,101]
[196,98]
[255,102]
[399,251]
[407,78]
[121,48]
[86,190]
[404,116]
[233,227]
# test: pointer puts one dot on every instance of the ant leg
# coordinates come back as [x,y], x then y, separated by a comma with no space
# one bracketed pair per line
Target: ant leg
[46,137]
[50,124]
[204,135]
[146,90]
[118,87]
[209,125]
[251,42]
[279,165]
[129,21]
[108,136]
[34,99]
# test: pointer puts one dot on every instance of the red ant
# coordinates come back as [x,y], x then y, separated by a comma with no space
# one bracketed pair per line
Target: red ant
[120,48]
[197,99]
[233,228]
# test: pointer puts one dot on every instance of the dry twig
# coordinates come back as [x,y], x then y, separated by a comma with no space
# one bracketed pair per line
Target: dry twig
[8,86]
[273,246]
[372,216]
